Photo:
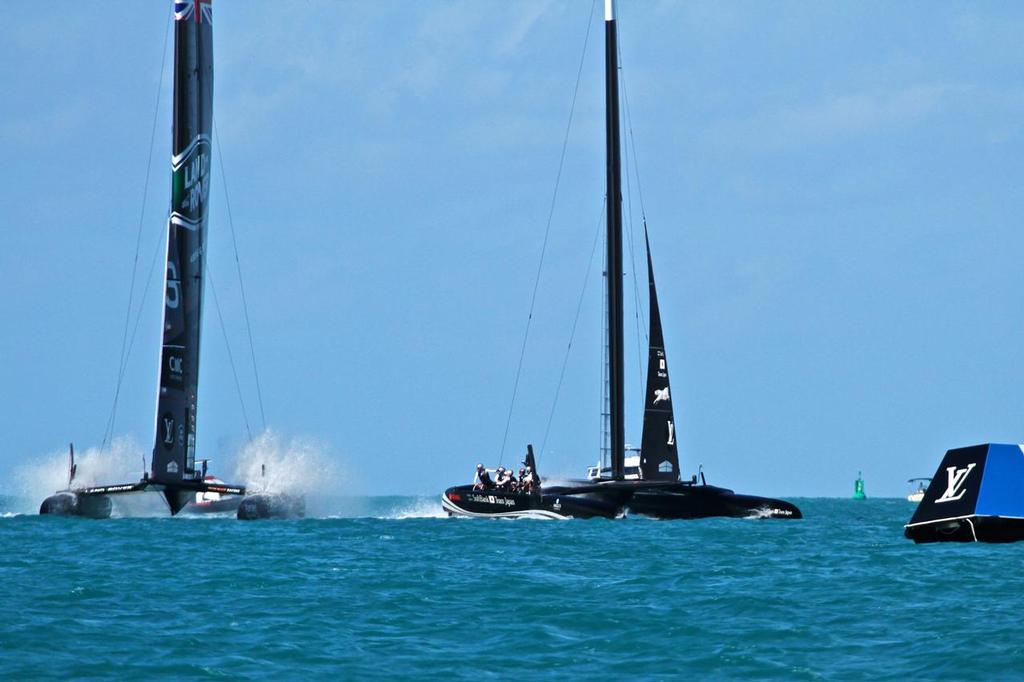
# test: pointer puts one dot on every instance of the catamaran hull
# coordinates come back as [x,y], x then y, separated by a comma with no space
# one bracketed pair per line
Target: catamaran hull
[464,501]
[271,506]
[705,501]
[73,504]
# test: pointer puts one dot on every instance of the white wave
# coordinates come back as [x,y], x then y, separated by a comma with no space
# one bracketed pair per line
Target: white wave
[422,508]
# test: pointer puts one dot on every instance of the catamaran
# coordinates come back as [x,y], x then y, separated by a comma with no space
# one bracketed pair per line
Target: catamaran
[173,471]
[650,484]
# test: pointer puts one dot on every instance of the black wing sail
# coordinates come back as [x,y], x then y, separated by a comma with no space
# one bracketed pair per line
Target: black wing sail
[174,450]
[659,458]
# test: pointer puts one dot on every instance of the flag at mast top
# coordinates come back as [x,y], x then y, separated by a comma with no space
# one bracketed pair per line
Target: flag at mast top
[609,14]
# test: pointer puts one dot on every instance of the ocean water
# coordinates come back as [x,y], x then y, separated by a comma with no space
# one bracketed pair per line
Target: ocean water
[393,590]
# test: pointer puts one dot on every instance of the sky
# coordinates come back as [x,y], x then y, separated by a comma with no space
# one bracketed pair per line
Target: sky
[833,192]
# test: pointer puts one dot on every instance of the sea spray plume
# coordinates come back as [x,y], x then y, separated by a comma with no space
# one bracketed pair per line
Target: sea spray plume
[122,462]
[301,466]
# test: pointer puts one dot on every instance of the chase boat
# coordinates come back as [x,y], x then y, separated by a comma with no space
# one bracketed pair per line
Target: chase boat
[648,483]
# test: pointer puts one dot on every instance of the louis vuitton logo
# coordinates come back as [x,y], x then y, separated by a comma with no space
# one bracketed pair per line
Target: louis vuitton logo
[955,484]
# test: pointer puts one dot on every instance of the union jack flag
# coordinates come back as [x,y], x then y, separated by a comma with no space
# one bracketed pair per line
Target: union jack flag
[199,10]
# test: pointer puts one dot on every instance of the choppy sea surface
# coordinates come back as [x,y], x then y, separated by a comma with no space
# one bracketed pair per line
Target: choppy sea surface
[392,589]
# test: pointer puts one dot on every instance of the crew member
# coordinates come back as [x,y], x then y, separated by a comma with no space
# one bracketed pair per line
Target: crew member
[532,482]
[483,479]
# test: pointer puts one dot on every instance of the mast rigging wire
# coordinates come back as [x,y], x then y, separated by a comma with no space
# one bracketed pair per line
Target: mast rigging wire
[241,283]
[227,345]
[547,231]
[575,321]
[125,345]
[641,321]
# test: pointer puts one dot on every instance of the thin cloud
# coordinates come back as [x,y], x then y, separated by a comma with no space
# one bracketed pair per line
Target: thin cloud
[839,117]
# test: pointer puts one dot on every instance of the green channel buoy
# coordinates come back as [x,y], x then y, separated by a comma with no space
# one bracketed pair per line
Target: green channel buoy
[858,488]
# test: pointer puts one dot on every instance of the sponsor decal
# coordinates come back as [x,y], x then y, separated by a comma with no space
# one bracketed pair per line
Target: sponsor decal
[173,297]
[125,487]
[557,505]
[190,184]
[955,483]
[661,395]
[671,434]
[168,420]
[174,363]
[491,499]
[172,467]
[665,467]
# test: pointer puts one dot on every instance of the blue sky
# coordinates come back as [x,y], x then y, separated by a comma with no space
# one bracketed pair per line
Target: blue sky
[833,192]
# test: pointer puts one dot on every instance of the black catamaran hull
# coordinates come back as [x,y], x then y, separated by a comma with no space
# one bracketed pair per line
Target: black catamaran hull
[96,503]
[688,501]
[74,504]
[92,503]
[556,503]
[271,506]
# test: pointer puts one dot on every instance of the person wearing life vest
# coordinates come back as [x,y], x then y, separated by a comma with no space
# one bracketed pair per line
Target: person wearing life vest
[501,478]
[512,483]
[483,479]
[530,481]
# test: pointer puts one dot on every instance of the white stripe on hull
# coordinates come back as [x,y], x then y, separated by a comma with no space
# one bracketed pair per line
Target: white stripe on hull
[453,508]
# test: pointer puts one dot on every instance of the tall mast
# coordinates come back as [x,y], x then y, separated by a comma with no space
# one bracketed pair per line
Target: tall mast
[615,322]
[177,397]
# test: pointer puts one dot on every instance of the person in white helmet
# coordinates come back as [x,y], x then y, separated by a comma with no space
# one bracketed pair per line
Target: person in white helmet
[482,480]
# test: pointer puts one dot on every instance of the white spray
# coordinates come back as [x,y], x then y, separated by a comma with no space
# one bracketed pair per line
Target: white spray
[123,462]
[299,467]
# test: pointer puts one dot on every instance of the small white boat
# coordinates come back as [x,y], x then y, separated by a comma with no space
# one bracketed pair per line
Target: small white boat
[917,495]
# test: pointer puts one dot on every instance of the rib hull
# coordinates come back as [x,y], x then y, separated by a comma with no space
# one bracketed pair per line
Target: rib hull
[558,503]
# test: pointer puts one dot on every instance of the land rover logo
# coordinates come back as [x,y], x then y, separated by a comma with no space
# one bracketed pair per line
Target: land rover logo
[955,483]
[190,183]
